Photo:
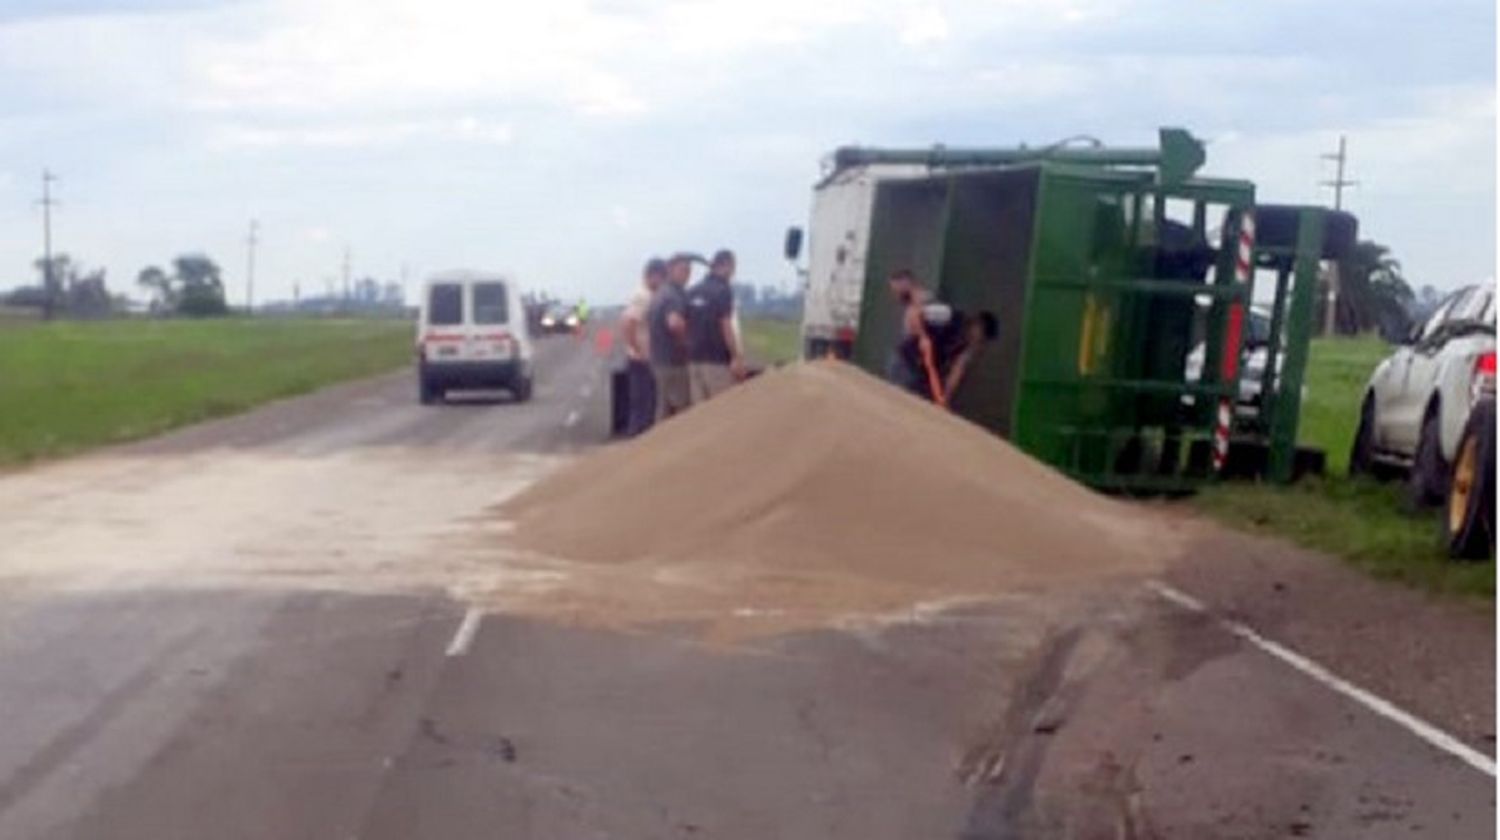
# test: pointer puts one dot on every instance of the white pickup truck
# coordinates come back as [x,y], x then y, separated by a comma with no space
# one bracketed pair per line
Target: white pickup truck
[1418,399]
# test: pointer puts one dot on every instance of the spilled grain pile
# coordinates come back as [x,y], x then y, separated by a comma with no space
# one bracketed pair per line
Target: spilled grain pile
[813,493]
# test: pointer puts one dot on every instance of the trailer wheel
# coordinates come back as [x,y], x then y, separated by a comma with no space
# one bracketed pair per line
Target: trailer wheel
[1469,518]
[1425,486]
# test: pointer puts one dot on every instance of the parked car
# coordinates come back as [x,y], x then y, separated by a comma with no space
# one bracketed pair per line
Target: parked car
[1418,400]
[472,334]
[559,319]
[1253,356]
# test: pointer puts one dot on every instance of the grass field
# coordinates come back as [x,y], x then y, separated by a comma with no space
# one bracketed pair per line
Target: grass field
[69,386]
[1365,522]
[769,342]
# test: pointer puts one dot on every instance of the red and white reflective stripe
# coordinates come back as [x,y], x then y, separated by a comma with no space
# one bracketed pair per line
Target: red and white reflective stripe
[1233,332]
[1221,434]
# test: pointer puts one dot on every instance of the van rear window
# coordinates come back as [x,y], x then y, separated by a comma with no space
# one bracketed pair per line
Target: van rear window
[445,304]
[490,303]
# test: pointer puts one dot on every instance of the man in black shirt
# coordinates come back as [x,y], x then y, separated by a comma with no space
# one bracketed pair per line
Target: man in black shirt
[666,322]
[714,359]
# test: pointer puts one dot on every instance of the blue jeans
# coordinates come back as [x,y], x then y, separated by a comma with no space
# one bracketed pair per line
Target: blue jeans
[901,374]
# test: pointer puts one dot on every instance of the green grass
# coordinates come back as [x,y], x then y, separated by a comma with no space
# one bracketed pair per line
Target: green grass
[769,342]
[1337,371]
[1365,522]
[69,386]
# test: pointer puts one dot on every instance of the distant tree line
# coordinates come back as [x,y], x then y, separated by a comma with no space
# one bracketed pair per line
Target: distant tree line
[1373,294]
[65,289]
[195,287]
[767,302]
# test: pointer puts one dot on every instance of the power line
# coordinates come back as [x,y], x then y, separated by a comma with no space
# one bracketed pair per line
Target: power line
[47,202]
[1339,182]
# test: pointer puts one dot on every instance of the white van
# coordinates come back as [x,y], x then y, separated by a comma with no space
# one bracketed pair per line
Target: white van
[472,333]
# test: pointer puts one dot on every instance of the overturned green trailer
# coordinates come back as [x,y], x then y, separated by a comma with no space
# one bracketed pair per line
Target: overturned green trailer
[1111,273]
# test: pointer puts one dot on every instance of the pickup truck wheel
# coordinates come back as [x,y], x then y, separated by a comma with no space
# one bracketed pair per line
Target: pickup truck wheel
[1469,518]
[1427,484]
[1362,454]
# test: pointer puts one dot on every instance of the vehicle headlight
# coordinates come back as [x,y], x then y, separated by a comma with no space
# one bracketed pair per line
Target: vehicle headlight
[572,320]
[547,322]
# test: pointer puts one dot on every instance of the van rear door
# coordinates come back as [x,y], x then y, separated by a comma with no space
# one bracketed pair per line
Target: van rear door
[487,332]
[443,323]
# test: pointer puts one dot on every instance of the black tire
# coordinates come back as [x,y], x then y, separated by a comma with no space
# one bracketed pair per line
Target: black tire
[426,393]
[1362,453]
[1469,515]
[522,389]
[1427,484]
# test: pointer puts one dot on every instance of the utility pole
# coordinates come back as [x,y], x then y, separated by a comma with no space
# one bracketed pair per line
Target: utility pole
[250,243]
[47,202]
[346,274]
[1340,159]
[1339,182]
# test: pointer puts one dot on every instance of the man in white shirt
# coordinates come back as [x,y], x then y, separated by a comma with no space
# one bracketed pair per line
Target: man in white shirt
[637,340]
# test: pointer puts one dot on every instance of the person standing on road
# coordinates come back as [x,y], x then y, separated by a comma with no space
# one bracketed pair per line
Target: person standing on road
[667,324]
[635,334]
[714,359]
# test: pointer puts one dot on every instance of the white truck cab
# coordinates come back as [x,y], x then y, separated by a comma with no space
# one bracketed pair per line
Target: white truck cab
[838,242]
[472,333]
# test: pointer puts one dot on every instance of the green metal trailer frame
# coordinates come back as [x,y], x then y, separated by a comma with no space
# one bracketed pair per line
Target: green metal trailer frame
[1062,254]
[1104,272]
[1292,244]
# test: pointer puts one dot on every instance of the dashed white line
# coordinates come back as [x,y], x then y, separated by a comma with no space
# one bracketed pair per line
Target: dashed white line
[1379,705]
[571,420]
[463,637]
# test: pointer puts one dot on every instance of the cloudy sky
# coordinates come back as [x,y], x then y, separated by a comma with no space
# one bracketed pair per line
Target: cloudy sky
[568,139]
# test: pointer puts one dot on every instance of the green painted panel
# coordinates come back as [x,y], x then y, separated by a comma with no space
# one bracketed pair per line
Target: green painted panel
[906,231]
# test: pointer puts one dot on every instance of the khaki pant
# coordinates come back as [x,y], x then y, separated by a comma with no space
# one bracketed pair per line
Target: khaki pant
[708,381]
[673,394]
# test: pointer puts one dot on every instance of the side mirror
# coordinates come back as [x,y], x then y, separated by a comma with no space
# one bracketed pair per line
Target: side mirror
[792,247]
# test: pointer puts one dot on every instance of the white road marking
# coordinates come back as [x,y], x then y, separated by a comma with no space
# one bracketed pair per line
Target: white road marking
[464,636]
[571,420]
[587,390]
[1380,706]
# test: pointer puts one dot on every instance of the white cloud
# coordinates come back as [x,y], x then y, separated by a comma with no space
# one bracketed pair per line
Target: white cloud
[348,135]
[925,26]
[705,118]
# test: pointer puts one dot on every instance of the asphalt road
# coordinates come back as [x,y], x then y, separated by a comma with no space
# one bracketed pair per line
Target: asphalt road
[249,640]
